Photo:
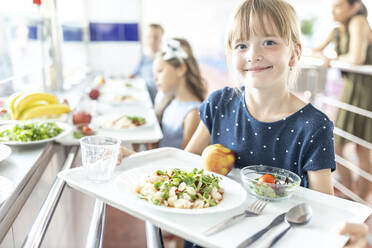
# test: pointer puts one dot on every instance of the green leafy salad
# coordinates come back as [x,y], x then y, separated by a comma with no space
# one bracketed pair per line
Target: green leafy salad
[31,132]
[271,186]
[181,189]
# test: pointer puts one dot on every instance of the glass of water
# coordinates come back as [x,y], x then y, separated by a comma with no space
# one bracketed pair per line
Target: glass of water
[99,155]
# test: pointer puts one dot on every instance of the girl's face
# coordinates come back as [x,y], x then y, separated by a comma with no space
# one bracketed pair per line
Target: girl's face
[342,10]
[166,76]
[262,61]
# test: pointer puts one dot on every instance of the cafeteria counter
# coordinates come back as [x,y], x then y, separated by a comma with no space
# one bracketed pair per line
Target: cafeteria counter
[34,171]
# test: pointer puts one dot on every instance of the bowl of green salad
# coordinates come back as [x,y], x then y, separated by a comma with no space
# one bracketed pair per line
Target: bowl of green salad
[269,183]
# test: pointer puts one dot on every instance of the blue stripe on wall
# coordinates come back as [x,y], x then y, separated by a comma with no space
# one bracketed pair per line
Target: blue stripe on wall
[98,32]
[131,32]
[32,32]
[113,31]
[72,33]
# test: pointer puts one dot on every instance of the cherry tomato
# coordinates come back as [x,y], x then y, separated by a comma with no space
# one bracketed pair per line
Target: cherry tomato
[2,110]
[86,130]
[267,178]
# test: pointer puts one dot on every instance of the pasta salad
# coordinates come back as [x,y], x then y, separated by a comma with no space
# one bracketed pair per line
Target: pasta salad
[177,188]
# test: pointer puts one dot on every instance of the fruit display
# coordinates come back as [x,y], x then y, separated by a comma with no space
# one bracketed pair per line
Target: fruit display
[218,159]
[25,106]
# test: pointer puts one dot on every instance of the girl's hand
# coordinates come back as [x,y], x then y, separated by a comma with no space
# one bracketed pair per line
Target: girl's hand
[123,152]
[357,233]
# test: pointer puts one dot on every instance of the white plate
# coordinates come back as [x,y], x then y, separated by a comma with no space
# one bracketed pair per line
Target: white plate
[102,122]
[114,98]
[137,84]
[5,151]
[6,188]
[233,197]
[66,130]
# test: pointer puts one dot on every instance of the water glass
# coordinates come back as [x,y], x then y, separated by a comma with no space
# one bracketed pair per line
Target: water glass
[99,156]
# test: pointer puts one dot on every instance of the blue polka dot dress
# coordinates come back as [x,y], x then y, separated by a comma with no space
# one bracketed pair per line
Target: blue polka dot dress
[300,142]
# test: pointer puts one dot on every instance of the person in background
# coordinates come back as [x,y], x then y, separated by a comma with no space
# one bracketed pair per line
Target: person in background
[152,40]
[178,78]
[177,74]
[353,44]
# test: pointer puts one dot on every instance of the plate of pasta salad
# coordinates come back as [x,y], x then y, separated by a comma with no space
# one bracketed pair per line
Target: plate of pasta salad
[181,190]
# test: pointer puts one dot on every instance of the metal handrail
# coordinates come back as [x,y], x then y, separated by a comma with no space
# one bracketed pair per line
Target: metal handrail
[349,193]
[361,69]
[153,237]
[97,226]
[40,226]
[345,106]
[347,164]
[317,62]
[352,138]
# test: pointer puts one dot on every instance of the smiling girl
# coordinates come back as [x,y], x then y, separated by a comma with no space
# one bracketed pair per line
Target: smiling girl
[263,122]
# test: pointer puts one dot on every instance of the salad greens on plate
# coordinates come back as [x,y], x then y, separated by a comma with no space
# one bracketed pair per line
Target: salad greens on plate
[181,189]
[34,131]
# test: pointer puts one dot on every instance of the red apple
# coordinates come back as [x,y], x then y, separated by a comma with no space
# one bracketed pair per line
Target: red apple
[81,118]
[94,94]
[218,159]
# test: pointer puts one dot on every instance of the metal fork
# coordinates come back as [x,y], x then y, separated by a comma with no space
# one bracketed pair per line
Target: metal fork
[253,210]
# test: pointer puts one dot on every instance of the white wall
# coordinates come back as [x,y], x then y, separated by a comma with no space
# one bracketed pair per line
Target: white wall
[203,23]
[110,58]
[114,58]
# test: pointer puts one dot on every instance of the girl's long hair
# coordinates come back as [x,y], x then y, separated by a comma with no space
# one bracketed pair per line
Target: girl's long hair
[194,79]
[363,9]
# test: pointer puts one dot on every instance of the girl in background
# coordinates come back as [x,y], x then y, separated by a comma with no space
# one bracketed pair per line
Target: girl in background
[177,74]
[178,78]
[353,44]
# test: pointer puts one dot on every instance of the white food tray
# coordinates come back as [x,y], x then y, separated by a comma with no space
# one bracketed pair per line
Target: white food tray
[328,212]
[147,134]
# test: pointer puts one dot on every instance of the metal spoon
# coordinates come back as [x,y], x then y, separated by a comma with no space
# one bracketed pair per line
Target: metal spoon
[298,215]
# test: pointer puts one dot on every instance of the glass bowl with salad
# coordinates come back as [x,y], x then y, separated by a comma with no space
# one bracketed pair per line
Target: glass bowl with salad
[269,183]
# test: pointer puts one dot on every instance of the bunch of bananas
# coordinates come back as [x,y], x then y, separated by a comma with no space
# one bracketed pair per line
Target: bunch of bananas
[25,106]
